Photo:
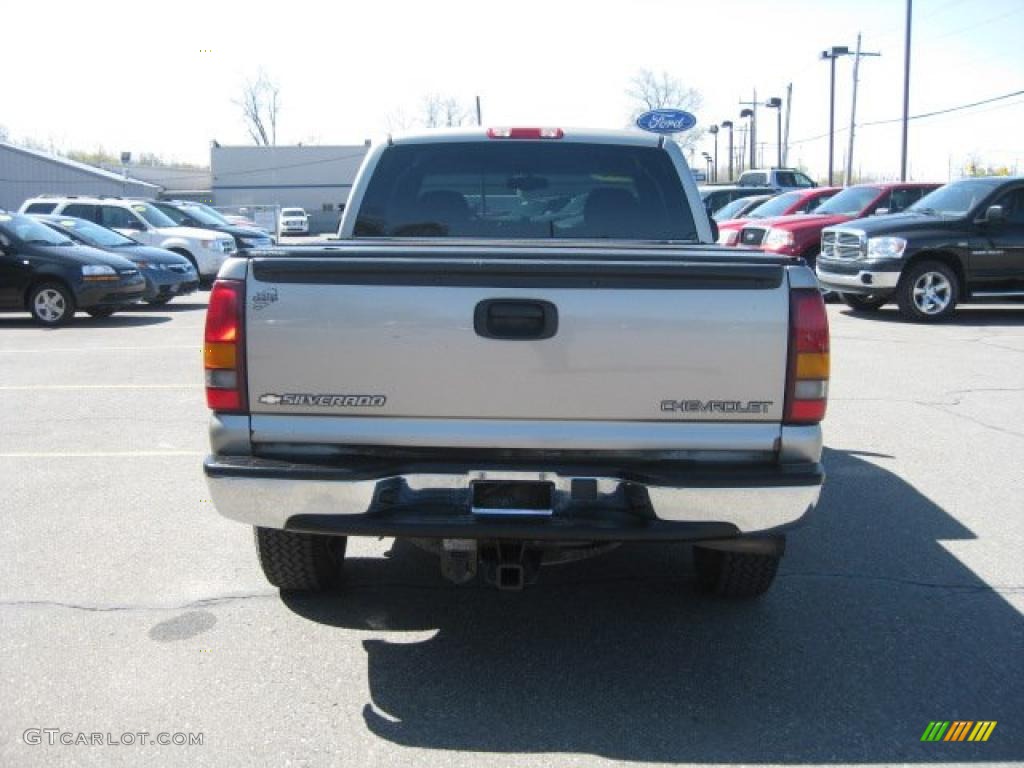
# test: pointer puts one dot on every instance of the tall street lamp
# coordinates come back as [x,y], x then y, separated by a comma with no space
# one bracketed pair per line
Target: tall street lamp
[749,114]
[831,55]
[776,103]
[713,130]
[728,124]
[707,161]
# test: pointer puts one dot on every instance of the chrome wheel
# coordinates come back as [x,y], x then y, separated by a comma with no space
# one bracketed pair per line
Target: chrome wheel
[50,306]
[932,293]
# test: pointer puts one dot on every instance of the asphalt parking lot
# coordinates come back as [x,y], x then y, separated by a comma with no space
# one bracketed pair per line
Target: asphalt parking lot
[127,604]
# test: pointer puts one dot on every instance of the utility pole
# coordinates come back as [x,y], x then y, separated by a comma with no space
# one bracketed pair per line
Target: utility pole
[479,117]
[831,55]
[785,140]
[906,93]
[853,111]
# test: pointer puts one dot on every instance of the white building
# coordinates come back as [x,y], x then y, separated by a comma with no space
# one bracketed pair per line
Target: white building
[316,178]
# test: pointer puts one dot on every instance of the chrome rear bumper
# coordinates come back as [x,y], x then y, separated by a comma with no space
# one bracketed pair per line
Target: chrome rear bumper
[646,502]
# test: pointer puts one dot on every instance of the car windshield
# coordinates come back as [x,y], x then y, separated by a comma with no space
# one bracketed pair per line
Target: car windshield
[777,206]
[93,234]
[730,210]
[201,215]
[954,199]
[292,212]
[153,216]
[30,231]
[850,202]
[532,190]
[213,213]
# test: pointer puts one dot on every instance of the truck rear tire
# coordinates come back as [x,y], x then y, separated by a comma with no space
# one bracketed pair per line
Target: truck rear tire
[734,574]
[301,562]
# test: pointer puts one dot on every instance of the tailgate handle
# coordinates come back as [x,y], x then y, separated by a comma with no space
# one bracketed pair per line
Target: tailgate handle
[517,319]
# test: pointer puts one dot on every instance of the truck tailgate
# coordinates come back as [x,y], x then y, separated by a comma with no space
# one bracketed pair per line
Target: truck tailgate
[635,341]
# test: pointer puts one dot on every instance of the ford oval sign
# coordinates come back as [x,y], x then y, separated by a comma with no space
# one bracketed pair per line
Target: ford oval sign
[666,121]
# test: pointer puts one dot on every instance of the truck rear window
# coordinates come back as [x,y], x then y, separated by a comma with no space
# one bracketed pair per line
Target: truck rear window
[525,190]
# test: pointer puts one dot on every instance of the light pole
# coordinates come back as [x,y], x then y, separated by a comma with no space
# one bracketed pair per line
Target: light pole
[776,103]
[707,162]
[906,92]
[749,114]
[831,55]
[728,124]
[713,130]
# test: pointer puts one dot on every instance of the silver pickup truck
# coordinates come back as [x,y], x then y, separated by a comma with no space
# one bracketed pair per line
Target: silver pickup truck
[523,349]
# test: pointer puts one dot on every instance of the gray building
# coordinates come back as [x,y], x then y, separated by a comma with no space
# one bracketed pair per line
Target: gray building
[25,173]
[316,178]
[176,182]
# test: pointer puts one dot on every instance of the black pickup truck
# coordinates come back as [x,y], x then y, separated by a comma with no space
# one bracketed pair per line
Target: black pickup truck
[962,242]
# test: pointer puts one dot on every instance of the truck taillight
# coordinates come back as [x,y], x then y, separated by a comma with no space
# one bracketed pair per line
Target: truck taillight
[525,133]
[224,347]
[807,379]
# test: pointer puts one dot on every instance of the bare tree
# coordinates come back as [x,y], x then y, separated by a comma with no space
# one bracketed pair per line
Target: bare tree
[443,112]
[649,90]
[260,104]
[4,135]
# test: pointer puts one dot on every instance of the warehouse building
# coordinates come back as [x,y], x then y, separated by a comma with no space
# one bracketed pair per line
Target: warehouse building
[177,182]
[25,173]
[315,178]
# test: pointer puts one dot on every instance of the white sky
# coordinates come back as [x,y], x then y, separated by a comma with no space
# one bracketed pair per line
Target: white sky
[130,76]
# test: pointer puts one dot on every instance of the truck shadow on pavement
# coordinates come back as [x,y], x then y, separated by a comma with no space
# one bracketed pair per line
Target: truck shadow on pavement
[872,630]
[968,316]
[82,321]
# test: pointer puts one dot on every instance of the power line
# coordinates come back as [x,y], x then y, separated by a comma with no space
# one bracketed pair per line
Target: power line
[915,117]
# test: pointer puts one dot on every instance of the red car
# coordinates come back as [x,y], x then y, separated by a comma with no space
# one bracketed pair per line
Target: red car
[800,235]
[797,201]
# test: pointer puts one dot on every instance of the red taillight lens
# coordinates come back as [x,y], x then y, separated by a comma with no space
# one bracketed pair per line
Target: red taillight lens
[807,381]
[224,347]
[525,133]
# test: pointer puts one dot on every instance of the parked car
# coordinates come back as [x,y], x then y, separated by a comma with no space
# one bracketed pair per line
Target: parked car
[801,201]
[462,394]
[781,179]
[714,197]
[188,214]
[963,242]
[294,221]
[739,208]
[205,248]
[800,234]
[167,274]
[51,276]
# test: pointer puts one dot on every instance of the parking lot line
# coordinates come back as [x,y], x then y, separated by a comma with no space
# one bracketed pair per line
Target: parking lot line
[47,351]
[96,454]
[32,387]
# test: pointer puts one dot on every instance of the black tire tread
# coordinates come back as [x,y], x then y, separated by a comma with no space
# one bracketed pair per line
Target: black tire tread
[905,299]
[69,299]
[301,562]
[735,574]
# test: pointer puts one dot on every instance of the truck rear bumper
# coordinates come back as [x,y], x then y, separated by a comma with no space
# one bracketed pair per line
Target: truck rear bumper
[645,502]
